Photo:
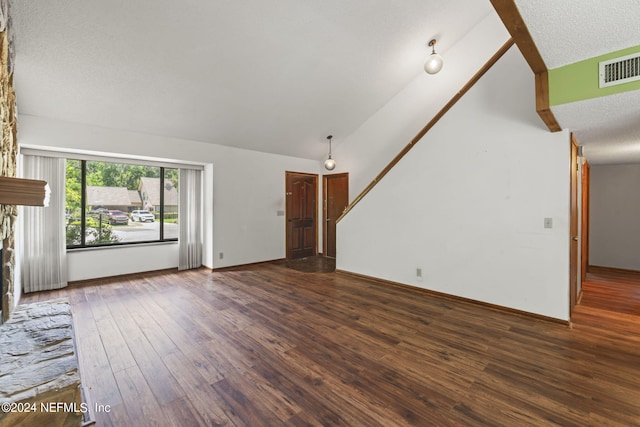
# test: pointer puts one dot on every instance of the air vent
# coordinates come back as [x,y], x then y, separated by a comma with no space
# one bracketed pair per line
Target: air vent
[620,70]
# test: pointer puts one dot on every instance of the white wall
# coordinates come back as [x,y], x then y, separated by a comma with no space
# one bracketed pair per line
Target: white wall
[243,192]
[467,205]
[614,239]
[105,262]
[371,147]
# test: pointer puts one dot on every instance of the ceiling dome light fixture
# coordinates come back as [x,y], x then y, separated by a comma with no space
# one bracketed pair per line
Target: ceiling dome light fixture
[330,164]
[434,62]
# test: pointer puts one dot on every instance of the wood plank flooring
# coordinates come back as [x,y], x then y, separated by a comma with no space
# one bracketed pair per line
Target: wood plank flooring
[613,290]
[270,346]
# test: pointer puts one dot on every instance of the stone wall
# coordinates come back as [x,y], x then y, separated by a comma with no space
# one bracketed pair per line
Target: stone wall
[8,156]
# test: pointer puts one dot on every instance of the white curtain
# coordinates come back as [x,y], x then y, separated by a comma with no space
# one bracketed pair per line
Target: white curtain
[190,218]
[43,248]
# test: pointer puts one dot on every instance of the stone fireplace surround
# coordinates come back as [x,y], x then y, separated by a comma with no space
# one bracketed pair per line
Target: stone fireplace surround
[39,375]
[8,155]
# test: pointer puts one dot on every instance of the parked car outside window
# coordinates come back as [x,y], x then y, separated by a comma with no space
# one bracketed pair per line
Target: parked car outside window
[99,210]
[118,217]
[142,216]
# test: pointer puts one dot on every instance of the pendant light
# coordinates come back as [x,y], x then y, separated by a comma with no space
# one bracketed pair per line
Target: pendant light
[330,164]
[434,62]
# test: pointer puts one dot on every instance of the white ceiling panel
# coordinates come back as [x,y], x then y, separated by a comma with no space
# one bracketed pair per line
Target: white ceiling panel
[274,76]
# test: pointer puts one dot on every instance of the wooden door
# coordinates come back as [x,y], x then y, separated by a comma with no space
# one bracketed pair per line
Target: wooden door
[335,200]
[573,227]
[302,212]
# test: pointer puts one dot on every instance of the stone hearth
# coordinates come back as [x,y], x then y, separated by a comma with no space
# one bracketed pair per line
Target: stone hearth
[39,374]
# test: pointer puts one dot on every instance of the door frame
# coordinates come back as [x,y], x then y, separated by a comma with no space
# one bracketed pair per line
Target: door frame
[584,253]
[325,207]
[574,270]
[288,193]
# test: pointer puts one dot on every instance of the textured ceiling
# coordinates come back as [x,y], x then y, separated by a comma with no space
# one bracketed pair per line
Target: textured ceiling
[569,31]
[274,76]
[607,127]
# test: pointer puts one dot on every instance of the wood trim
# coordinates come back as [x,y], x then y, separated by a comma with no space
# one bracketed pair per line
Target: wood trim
[153,273]
[437,294]
[512,20]
[574,265]
[584,253]
[324,214]
[542,102]
[429,125]
[20,191]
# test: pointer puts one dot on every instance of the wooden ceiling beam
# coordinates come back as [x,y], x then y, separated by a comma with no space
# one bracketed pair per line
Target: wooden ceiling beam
[512,20]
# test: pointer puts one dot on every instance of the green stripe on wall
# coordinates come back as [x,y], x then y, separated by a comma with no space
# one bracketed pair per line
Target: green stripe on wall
[578,81]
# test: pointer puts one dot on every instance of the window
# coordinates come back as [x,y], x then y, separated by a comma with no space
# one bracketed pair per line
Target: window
[115,203]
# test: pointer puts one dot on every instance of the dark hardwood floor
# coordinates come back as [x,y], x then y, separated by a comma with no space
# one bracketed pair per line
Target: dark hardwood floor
[313,264]
[267,346]
[613,290]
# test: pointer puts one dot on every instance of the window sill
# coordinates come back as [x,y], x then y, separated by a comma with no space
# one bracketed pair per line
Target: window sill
[122,246]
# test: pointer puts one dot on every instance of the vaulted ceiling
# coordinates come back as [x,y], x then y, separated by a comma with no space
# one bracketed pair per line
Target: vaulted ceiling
[275,76]
[278,76]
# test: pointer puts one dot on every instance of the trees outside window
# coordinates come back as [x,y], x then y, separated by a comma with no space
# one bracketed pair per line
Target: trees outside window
[117,203]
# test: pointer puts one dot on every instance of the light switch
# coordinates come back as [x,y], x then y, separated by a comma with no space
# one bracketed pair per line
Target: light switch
[548,223]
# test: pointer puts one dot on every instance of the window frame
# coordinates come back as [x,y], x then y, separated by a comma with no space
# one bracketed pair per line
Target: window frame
[83,211]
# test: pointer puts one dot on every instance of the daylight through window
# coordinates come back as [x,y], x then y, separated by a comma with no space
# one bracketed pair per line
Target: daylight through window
[113,203]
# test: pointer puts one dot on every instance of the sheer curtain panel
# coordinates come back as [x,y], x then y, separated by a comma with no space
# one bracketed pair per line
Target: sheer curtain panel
[44,252]
[190,218]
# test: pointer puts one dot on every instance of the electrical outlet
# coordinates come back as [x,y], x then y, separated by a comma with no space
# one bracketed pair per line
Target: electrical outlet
[221,256]
[418,272]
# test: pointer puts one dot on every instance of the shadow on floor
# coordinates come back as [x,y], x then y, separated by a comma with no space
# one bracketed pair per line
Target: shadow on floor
[314,264]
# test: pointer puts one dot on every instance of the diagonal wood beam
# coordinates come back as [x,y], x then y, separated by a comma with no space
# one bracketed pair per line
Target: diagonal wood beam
[512,20]
[481,72]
